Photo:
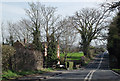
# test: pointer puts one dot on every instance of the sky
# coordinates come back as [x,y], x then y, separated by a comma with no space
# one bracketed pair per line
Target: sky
[13,10]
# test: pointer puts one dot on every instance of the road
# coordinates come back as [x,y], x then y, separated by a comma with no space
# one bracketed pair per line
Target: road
[98,70]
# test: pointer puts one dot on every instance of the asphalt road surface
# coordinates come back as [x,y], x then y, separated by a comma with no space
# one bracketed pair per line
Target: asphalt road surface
[98,70]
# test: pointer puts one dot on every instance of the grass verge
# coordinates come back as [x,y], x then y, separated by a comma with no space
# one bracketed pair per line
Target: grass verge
[12,74]
[116,70]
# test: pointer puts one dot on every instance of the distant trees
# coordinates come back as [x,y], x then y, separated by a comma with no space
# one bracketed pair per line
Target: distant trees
[89,23]
[68,36]
[12,34]
[16,31]
[7,33]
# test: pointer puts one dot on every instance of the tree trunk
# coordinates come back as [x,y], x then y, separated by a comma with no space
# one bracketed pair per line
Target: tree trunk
[86,50]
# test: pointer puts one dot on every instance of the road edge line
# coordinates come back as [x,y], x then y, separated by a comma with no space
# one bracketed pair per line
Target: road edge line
[115,73]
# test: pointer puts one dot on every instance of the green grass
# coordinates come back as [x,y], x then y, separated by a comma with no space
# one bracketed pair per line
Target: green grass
[12,75]
[116,70]
[72,56]
[9,74]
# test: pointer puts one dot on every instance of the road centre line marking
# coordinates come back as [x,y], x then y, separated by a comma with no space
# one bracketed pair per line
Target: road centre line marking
[100,62]
[90,74]
[87,75]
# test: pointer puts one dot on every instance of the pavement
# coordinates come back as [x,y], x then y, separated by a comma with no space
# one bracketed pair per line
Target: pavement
[97,70]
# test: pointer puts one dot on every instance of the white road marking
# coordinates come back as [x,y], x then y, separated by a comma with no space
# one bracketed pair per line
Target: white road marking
[87,75]
[115,73]
[100,62]
[90,74]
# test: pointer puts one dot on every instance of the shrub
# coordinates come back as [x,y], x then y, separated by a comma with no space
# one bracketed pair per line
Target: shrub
[7,53]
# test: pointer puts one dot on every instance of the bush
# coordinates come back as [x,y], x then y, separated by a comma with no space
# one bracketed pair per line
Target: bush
[7,54]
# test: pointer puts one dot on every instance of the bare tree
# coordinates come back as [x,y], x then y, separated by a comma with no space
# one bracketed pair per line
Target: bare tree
[8,32]
[24,31]
[50,22]
[89,23]
[67,37]
[43,22]
[114,5]
[3,32]
[13,31]
[35,22]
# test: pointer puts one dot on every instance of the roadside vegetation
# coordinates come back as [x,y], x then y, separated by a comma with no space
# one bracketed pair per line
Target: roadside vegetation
[114,42]
[8,74]
[116,70]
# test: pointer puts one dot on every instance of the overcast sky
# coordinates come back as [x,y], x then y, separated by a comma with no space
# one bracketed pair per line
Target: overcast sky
[13,11]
